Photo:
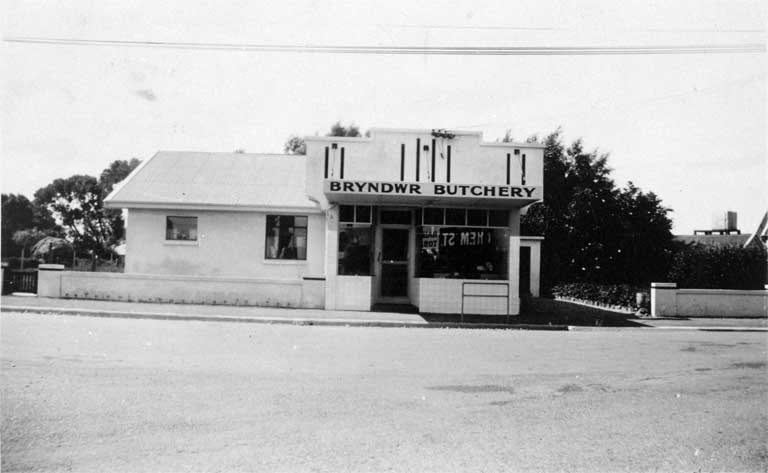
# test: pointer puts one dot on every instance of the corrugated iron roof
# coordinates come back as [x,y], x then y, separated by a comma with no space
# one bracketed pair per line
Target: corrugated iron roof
[199,179]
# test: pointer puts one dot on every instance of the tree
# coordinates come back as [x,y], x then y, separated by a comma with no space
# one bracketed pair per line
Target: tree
[295,145]
[595,232]
[116,172]
[77,204]
[18,213]
[25,239]
[337,129]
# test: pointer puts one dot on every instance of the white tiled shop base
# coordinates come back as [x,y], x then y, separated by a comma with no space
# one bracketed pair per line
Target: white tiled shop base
[443,296]
[353,292]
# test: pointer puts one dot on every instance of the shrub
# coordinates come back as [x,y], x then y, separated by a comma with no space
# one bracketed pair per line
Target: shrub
[611,294]
[725,267]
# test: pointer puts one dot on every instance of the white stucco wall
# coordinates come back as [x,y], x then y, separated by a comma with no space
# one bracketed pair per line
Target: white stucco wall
[229,244]
[377,158]
[669,301]
[182,289]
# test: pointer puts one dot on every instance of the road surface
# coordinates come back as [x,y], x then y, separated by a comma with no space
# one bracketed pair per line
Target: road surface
[121,395]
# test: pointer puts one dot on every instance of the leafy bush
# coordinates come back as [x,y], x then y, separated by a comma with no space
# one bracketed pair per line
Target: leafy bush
[611,294]
[726,267]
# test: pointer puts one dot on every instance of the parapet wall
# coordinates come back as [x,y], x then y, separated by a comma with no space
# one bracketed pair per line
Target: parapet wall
[669,301]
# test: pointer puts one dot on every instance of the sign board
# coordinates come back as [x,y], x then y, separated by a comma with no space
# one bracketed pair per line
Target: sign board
[431,189]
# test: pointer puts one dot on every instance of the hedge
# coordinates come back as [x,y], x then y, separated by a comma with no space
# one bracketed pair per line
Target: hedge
[727,267]
[624,295]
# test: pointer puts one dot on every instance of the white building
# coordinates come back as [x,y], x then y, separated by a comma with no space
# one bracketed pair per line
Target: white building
[430,219]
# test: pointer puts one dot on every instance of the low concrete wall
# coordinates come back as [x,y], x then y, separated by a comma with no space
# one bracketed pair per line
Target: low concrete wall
[307,293]
[669,301]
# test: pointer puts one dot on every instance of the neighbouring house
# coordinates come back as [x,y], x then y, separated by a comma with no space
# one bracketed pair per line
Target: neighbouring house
[424,218]
[725,232]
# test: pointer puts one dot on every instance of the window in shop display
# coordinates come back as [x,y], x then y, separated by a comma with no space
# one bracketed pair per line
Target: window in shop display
[286,237]
[462,252]
[355,249]
[355,236]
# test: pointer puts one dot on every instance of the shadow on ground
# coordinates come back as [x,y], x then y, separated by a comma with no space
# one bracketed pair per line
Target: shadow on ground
[542,311]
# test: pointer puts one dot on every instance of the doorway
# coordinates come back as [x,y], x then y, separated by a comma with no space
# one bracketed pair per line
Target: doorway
[393,241]
[525,271]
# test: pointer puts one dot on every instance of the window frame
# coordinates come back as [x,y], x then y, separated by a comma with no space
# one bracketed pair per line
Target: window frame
[355,220]
[267,236]
[487,212]
[181,241]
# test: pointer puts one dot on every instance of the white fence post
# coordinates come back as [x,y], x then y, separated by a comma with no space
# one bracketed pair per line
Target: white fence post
[49,280]
[663,299]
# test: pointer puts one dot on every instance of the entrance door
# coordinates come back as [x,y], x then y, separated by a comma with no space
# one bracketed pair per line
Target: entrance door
[525,271]
[392,262]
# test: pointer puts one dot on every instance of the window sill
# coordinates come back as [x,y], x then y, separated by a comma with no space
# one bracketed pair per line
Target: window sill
[284,261]
[181,242]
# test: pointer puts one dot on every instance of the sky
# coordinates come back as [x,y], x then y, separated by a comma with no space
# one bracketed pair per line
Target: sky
[689,127]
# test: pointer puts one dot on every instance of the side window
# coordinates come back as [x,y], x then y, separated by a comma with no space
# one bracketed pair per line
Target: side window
[181,228]
[286,237]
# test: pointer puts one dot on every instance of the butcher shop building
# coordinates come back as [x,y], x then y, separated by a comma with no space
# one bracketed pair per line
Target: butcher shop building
[425,219]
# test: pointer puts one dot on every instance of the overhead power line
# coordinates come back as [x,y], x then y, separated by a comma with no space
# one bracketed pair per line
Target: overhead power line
[555,28]
[413,50]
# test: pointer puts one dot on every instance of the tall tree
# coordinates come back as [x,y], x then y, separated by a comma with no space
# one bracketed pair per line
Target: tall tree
[77,204]
[593,230]
[116,172]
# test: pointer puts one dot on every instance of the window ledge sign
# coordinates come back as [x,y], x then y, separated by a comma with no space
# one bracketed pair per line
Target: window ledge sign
[337,190]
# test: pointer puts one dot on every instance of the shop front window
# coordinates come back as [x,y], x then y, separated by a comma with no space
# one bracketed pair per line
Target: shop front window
[462,252]
[286,237]
[355,240]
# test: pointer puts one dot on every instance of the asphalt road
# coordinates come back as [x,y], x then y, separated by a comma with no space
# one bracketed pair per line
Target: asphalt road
[91,394]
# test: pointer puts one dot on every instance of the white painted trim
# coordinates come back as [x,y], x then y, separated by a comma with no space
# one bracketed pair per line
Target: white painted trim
[181,242]
[511,144]
[422,132]
[212,207]
[278,261]
[339,139]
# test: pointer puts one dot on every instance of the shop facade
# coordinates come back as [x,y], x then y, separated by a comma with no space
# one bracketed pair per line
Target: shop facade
[424,218]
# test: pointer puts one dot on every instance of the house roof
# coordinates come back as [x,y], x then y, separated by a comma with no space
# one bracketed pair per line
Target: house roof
[224,181]
[714,240]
